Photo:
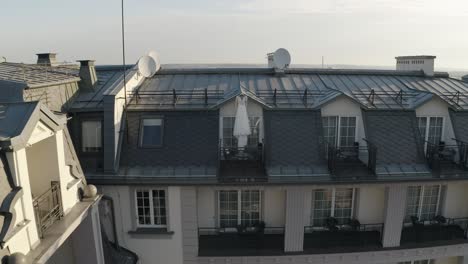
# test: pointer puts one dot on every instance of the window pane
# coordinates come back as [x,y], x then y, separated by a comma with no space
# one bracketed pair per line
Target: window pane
[330,124]
[435,130]
[143,208]
[429,202]
[151,134]
[228,208]
[347,131]
[321,206]
[412,202]
[91,133]
[159,207]
[250,208]
[343,204]
[422,124]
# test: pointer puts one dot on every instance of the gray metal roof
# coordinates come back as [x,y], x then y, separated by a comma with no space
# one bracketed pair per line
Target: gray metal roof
[34,75]
[14,117]
[110,80]
[297,88]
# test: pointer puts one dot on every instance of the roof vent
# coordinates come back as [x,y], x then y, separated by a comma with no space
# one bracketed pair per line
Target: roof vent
[423,63]
[87,75]
[279,60]
[47,59]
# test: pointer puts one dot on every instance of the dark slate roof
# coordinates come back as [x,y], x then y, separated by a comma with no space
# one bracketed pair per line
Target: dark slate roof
[460,124]
[14,117]
[292,144]
[399,144]
[34,75]
[110,80]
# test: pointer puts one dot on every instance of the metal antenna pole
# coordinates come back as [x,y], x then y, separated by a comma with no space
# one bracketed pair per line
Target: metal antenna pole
[123,55]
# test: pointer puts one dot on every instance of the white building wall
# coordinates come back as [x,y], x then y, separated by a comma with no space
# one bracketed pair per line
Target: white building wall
[455,202]
[274,206]
[370,204]
[151,248]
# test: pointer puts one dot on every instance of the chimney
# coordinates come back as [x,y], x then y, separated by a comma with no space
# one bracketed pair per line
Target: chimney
[87,74]
[47,59]
[423,63]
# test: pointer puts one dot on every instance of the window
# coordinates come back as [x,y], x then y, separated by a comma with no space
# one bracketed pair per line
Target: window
[422,202]
[151,208]
[151,132]
[91,133]
[345,136]
[228,129]
[337,203]
[239,208]
[431,128]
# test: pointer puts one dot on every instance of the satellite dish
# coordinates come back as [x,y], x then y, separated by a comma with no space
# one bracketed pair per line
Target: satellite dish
[153,54]
[147,66]
[281,58]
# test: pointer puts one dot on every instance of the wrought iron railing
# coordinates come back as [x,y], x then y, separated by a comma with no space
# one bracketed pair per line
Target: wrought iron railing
[436,154]
[361,235]
[254,152]
[337,154]
[360,228]
[48,208]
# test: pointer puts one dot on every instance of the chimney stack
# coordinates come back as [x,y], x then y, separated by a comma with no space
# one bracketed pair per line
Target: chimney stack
[47,59]
[87,74]
[423,63]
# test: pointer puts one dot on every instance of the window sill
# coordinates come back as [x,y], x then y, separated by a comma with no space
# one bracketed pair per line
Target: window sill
[150,231]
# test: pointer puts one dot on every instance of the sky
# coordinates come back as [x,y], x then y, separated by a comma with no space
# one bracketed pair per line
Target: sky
[356,32]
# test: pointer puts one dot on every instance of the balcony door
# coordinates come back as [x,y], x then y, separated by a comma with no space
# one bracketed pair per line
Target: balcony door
[239,208]
[340,131]
[228,139]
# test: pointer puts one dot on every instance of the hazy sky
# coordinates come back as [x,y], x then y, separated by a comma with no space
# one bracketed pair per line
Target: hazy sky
[362,32]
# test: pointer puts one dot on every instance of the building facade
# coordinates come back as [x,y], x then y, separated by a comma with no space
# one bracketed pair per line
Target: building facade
[341,166]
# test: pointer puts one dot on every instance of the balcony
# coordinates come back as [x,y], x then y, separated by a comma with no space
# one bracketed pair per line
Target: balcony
[343,238]
[438,231]
[352,162]
[448,160]
[242,164]
[241,241]
[48,208]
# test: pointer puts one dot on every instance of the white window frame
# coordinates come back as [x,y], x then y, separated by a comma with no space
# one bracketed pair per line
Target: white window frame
[239,204]
[421,198]
[428,119]
[151,206]
[338,128]
[332,209]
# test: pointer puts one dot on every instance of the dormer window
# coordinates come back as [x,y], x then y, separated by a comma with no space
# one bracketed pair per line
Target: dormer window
[340,130]
[151,132]
[431,129]
[91,136]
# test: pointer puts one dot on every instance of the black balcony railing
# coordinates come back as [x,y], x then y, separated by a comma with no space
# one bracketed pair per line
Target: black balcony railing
[343,238]
[244,164]
[361,159]
[240,241]
[446,159]
[48,208]
[449,229]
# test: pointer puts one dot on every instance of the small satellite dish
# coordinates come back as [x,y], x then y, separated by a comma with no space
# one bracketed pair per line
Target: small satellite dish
[153,54]
[147,66]
[281,58]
